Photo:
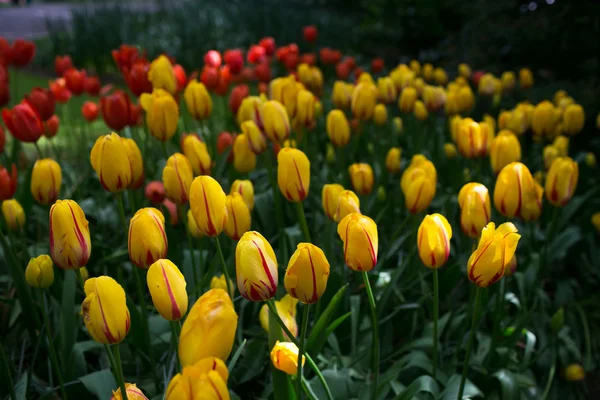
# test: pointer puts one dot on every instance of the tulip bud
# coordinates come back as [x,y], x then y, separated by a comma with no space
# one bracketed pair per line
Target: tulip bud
[590,159]
[105,311]
[330,198]
[561,181]
[330,154]
[14,215]
[221,283]
[508,81]
[418,184]
[338,128]
[380,114]
[239,219]
[505,149]
[475,209]
[161,75]
[364,97]
[558,320]
[256,139]
[135,160]
[440,76]
[254,282]
[532,206]
[167,288]
[197,100]
[42,101]
[197,153]
[192,227]
[177,177]
[40,272]
[361,242]
[348,203]
[398,126]
[305,109]
[393,160]
[24,122]
[525,78]
[514,186]
[361,176]
[427,71]
[46,179]
[573,119]
[574,373]
[596,221]
[250,109]
[407,100]
[286,309]
[244,159]
[307,273]
[342,94]
[133,393]
[550,154]
[544,119]
[70,244]
[420,111]
[276,122]
[495,250]
[470,139]
[147,240]
[285,91]
[293,174]
[208,376]
[450,150]
[110,160]
[162,113]
[284,357]
[208,205]
[433,241]
[386,90]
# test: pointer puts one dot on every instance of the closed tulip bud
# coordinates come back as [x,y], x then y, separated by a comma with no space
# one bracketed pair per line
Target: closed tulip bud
[380,114]
[361,176]
[284,357]
[170,208]
[46,179]
[305,109]
[464,70]
[427,71]
[239,219]
[361,241]
[398,126]
[293,174]
[42,100]
[161,75]
[466,98]
[167,288]
[433,97]
[513,186]
[285,91]
[504,150]
[208,376]
[590,160]
[276,123]
[256,267]
[135,160]
[256,139]
[116,110]
[452,106]
[14,215]
[307,273]
[70,244]
[147,240]
[440,76]
[244,159]
[250,109]
[574,373]
[475,209]
[338,128]
[342,94]
[364,97]
[433,240]
[208,205]
[550,154]
[348,203]
[196,152]
[573,119]
[51,126]
[544,119]
[40,272]
[110,160]
[487,134]
[105,311]
[450,150]
[192,227]
[561,143]
[420,111]
[330,154]
[386,90]
[495,251]
[418,184]
[508,81]
[532,203]
[470,139]
[415,66]
[487,85]
[197,100]
[525,78]
[561,181]
[596,221]
[162,113]
[221,283]
[286,309]
[407,100]
[330,198]
[392,160]
[133,393]
[24,122]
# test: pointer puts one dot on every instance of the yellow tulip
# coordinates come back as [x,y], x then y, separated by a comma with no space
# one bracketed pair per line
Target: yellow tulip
[197,100]
[407,100]
[284,357]
[450,150]
[398,126]
[330,198]
[136,162]
[596,221]
[561,181]
[196,151]
[205,379]
[393,160]
[177,178]
[307,273]
[293,174]
[286,309]
[40,272]
[348,203]
[244,159]
[46,179]
[192,227]
[361,241]
[246,189]
[386,90]
[70,244]
[14,215]
[440,76]
[338,128]
[544,119]
[487,134]
[487,85]
[573,119]
[305,109]
[472,142]
[105,311]
[590,159]
[256,139]
[574,373]
[532,203]
[420,111]
[475,209]
[256,267]
[509,81]
[161,75]
[167,288]
[329,154]
[207,202]
[304,74]
[147,239]
[110,160]
[504,150]
[452,106]
[285,91]
[433,240]
[550,154]
[364,97]
[239,219]
[361,176]
[133,393]
[418,183]
[464,70]
[514,186]
[427,71]
[342,94]
[380,114]
[162,114]
[562,145]
[221,283]
[415,66]
[250,109]
[525,78]
[209,328]
[276,123]
[433,97]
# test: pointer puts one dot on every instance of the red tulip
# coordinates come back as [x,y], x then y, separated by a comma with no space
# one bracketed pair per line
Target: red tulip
[60,91]
[326,56]
[172,210]
[310,33]
[262,72]
[116,110]
[224,81]
[125,56]
[377,65]
[239,93]
[92,85]
[136,77]
[75,80]
[135,115]
[90,111]
[8,182]
[256,54]
[268,43]
[51,126]
[477,76]
[62,64]
[4,93]
[180,77]
[235,60]
[3,72]
[308,58]
[24,122]
[224,142]
[212,58]
[22,52]
[342,70]
[357,72]
[5,52]
[155,192]
[2,139]
[336,56]
[43,102]
[210,77]
[291,61]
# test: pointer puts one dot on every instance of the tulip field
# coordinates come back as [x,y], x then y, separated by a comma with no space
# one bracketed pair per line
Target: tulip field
[285,221]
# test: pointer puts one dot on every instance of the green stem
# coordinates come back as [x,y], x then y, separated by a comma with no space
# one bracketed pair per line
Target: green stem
[470,342]
[303,224]
[549,237]
[131,197]
[225,272]
[183,218]
[9,381]
[39,151]
[307,391]
[550,376]
[122,213]
[301,349]
[292,338]
[436,304]
[375,351]
[51,348]
[164,150]
[499,310]
[80,278]
[119,367]
[175,330]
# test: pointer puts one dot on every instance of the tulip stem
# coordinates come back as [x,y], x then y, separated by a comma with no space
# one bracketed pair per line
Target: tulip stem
[292,338]
[470,342]
[225,272]
[190,243]
[51,348]
[8,375]
[119,368]
[164,150]
[80,278]
[301,349]
[39,151]
[436,304]
[175,331]
[550,376]
[303,224]
[375,351]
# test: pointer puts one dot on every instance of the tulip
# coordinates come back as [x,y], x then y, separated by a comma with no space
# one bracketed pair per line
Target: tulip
[361,242]
[471,140]
[246,189]
[508,81]
[51,127]
[161,75]
[420,111]
[91,85]
[116,110]
[433,240]
[393,160]
[208,376]
[440,76]
[196,152]
[590,159]
[293,174]
[209,328]
[224,142]
[544,119]
[244,159]
[561,181]
[14,215]
[380,114]
[342,94]
[238,94]
[532,203]
[307,273]
[361,176]
[464,70]
[147,239]
[561,143]
[62,64]
[364,97]
[133,393]
[475,209]
[514,186]
[450,150]
[285,91]
[256,139]
[466,98]
[348,203]
[221,283]
[197,100]
[23,122]
[42,100]
[208,205]
[495,251]
[167,288]
[40,272]
[330,197]
[573,119]
[75,80]
[550,153]
[2,139]
[105,311]
[433,97]
[177,177]
[276,123]
[155,192]
[110,160]
[46,179]
[193,228]
[239,219]
[136,77]
[504,150]
[90,111]
[60,91]
[338,128]
[386,90]
[250,109]
[596,221]
[135,160]
[125,55]
[70,244]
[162,113]
[418,183]
[286,309]
[525,78]
[284,357]
[305,109]
[256,267]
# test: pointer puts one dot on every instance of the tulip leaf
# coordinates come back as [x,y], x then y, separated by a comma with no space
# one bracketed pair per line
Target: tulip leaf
[423,384]
[452,388]
[508,384]
[323,322]
[340,383]
[236,356]
[79,350]
[321,339]
[563,241]
[68,318]
[101,383]
[570,210]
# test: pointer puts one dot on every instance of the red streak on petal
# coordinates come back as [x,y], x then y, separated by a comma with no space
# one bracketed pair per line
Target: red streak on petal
[175,311]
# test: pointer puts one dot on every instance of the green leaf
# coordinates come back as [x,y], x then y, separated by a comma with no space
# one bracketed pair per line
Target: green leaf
[101,383]
[530,340]
[508,384]
[451,391]
[321,339]
[68,319]
[563,241]
[315,340]
[79,350]
[340,383]
[252,362]
[423,384]
[570,210]
[236,356]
